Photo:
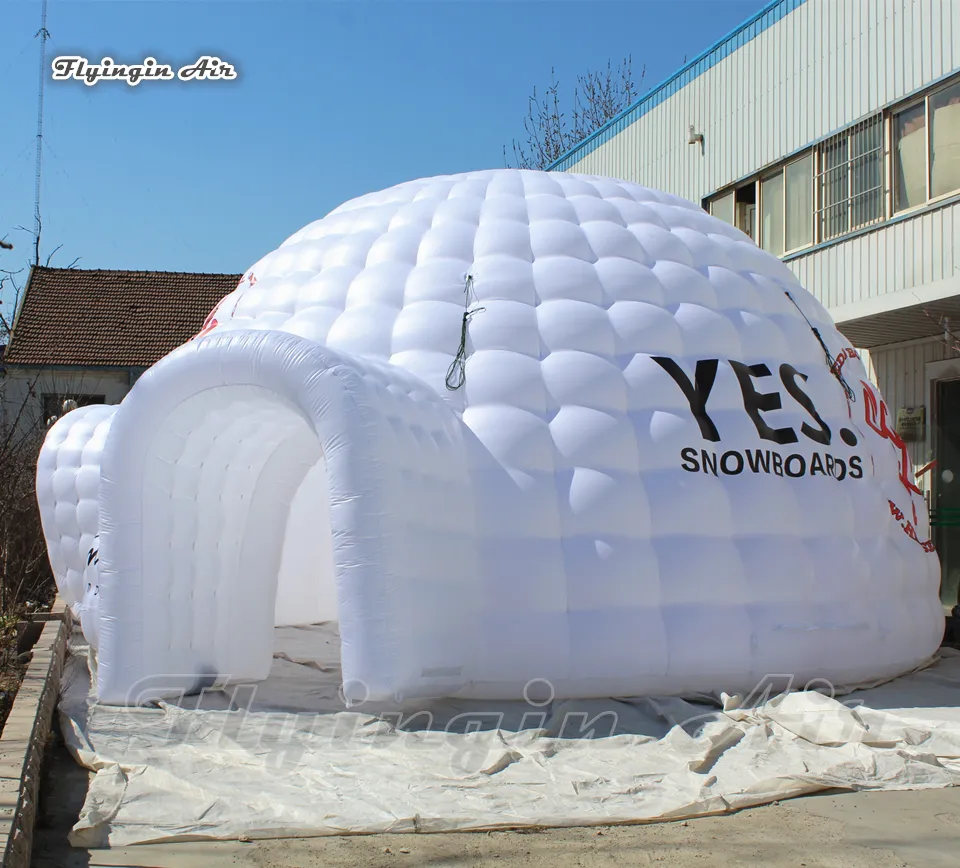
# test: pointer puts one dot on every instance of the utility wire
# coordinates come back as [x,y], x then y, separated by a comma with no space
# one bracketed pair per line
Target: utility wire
[44,34]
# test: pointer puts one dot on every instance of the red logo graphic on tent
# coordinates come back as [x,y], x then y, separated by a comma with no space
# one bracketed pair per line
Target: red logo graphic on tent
[847,353]
[211,322]
[876,416]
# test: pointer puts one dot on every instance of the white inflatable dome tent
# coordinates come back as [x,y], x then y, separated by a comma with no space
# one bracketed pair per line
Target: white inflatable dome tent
[501,426]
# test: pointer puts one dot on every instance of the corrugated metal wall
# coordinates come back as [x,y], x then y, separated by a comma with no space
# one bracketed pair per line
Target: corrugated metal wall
[823,66]
[901,255]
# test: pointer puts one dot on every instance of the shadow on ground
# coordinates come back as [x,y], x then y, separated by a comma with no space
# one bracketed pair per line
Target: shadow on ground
[63,789]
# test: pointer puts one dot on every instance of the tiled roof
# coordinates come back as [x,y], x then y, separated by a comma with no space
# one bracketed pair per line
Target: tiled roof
[100,318]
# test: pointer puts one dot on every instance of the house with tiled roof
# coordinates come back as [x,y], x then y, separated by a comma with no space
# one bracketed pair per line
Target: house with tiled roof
[86,335]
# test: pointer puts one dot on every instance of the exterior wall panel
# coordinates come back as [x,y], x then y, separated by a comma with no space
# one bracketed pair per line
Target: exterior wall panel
[901,255]
[824,65]
[22,391]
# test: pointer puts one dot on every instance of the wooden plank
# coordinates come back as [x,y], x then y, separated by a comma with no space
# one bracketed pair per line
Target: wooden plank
[24,738]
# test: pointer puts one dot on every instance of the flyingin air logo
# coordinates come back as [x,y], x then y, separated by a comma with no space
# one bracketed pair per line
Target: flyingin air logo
[75,67]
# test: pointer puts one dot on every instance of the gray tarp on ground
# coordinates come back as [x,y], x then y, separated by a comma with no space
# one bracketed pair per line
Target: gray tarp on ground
[289,760]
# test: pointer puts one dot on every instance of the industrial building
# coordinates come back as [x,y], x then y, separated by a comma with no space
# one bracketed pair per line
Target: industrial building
[829,131]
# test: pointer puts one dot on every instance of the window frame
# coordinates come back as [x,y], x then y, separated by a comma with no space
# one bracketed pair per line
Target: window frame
[730,192]
[928,129]
[83,399]
[796,158]
[851,161]
[923,100]
[886,119]
[761,180]
[757,181]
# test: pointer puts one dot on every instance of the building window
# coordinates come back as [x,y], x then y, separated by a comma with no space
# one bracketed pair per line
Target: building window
[841,184]
[745,203]
[53,404]
[798,203]
[722,207]
[786,207]
[738,208]
[850,179]
[926,149]
[771,214]
[910,157]
[776,211]
[945,141]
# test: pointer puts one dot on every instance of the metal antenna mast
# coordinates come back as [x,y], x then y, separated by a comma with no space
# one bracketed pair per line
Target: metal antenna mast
[43,33]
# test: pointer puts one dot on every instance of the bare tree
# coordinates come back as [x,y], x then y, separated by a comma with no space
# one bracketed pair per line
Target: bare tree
[25,576]
[948,337]
[598,96]
[35,234]
[10,293]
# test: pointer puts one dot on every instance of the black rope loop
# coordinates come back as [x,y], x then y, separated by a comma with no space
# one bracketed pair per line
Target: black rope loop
[457,372]
[831,361]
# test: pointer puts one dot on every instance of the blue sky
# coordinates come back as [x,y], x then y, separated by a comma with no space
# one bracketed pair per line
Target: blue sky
[334,98]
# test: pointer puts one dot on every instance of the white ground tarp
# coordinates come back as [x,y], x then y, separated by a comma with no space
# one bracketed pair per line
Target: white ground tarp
[286,758]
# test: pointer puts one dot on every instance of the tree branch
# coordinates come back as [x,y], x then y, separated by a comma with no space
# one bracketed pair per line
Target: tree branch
[598,97]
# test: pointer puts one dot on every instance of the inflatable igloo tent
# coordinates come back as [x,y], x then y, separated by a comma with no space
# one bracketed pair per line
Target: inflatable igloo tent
[501,426]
